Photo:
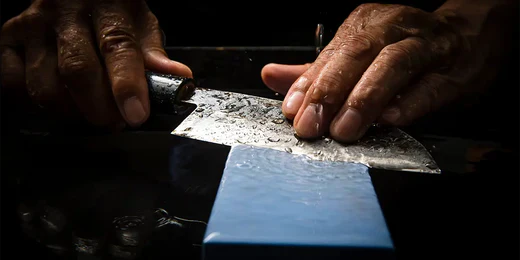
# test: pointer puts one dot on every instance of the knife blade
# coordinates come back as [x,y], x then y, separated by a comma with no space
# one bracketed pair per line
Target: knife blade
[232,118]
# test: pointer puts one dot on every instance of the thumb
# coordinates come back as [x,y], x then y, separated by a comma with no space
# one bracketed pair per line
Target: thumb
[155,57]
[158,61]
[280,77]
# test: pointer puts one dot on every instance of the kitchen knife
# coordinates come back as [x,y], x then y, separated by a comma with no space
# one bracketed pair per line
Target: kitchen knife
[231,118]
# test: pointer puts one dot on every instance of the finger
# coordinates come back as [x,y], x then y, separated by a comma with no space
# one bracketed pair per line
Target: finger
[42,81]
[417,99]
[280,77]
[352,39]
[331,86]
[12,70]
[428,95]
[80,67]
[296,93]
[393,69]
[116,35]
[41,73]
[12,67]
[154,55]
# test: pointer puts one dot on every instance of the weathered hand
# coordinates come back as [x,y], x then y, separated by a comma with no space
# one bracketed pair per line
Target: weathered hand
[387,63]
[86,55]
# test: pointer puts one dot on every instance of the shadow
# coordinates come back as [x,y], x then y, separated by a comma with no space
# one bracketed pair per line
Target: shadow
[124,196]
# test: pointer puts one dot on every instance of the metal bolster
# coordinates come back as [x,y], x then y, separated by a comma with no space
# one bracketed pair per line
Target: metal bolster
[167,90]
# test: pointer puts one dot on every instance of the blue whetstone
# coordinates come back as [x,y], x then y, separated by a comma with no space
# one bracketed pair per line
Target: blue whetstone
[276,205]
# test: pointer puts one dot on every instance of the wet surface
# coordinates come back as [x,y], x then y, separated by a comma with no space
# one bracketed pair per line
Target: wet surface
[131,196]
[147,194]
[142,195]
[272,204]
[232,118]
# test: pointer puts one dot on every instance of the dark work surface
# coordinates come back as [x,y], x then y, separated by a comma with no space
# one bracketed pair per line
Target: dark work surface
[92,180]
[471,210]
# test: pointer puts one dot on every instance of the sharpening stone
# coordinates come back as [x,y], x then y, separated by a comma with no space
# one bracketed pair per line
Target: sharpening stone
[275,205]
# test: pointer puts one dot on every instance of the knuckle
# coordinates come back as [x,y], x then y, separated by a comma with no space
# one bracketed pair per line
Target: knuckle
[345,26]
[365,98]
[154,33]
[69,34]
[33,17]
[152,22]
[431,88]
[116,38]
[396,55]
[74,65]
[367,92]
[395,50]
[328,52]
[364,7]
[327,89]
[358,45]
[402,10]
[358,17]
[11,24]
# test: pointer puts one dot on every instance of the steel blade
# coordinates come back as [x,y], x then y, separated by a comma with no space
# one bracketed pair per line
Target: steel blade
[230,118]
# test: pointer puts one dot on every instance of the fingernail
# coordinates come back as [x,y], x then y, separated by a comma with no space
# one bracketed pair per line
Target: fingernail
[309,125]
[134,111]
[294,102]
[391,114]
[348,125]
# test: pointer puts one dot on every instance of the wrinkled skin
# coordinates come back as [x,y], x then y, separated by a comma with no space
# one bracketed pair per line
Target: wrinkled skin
[86,57]
[387,64]
[390,64]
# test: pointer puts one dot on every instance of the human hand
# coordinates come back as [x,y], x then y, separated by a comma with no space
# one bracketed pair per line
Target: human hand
[88,56]
[387,63]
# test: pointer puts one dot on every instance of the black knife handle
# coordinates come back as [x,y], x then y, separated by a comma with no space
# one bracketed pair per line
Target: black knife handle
[167,91]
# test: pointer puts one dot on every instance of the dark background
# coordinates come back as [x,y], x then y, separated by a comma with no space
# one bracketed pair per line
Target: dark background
[475,216]
[249,23]
[192,23]
[255,23]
